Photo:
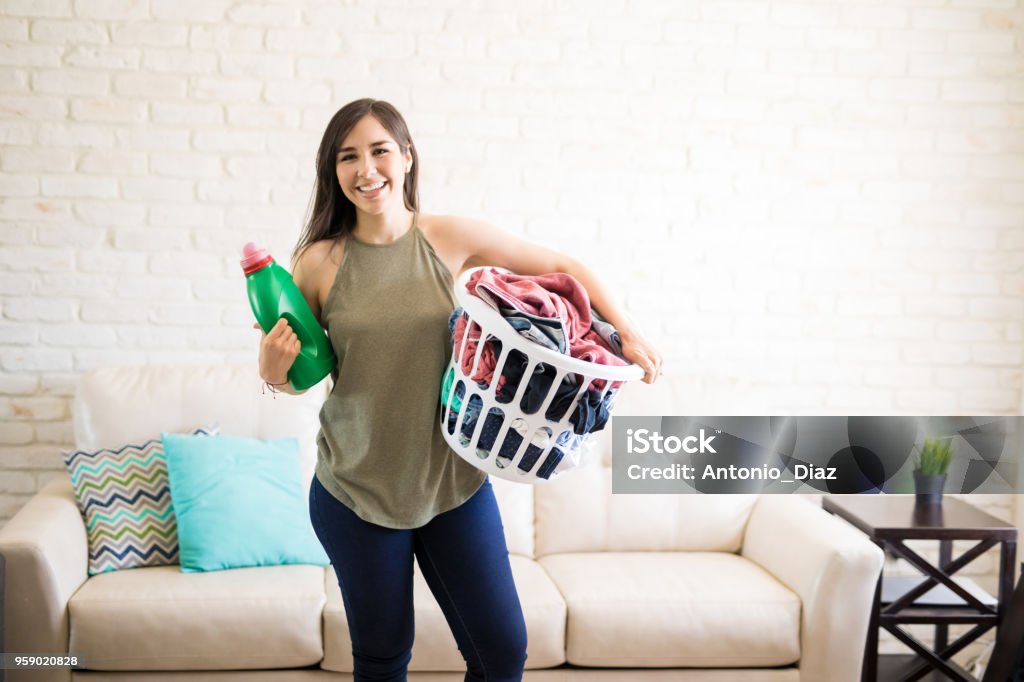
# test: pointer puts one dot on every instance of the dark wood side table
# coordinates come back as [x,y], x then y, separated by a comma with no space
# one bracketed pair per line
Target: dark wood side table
[890,520]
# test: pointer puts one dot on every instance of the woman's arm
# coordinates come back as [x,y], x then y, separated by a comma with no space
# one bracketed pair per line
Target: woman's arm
[280,347]
[480,244]
[278,351]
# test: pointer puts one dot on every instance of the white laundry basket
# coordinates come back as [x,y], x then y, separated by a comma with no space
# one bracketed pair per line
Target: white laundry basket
[548,447]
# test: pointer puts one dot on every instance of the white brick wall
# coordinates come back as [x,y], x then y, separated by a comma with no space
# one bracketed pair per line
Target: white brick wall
[832,193]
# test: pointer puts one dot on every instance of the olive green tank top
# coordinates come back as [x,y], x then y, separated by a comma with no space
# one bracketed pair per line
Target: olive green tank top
[380,448]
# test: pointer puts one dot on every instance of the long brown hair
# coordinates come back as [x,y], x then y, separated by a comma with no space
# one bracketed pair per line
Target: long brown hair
[333,215]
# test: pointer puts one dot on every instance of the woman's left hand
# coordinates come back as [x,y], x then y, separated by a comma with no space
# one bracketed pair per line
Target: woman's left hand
[638,350]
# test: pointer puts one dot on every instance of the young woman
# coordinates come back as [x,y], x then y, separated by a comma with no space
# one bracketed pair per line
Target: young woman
[379,277]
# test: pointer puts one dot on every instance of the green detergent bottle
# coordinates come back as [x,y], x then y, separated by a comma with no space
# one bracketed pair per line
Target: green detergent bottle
[273,295]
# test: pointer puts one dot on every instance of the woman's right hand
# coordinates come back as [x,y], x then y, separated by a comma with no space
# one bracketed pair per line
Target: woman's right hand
[278,349]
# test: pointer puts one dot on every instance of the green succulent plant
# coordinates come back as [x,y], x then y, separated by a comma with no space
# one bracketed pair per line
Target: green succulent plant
[934,456]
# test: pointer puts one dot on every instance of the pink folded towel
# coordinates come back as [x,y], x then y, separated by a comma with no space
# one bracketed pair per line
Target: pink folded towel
[556,296]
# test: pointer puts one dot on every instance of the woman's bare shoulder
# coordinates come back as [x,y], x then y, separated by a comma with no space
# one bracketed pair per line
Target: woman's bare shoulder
[445,236]
[314,256]
[431,224]
[315,267]
[447,229]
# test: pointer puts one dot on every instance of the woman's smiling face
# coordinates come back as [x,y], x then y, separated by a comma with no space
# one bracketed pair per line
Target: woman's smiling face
[371,167]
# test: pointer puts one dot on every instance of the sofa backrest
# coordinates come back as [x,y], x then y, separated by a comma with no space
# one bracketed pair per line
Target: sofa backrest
[516,502]
[119,405]
[578,512]
[575,513]
[115,406]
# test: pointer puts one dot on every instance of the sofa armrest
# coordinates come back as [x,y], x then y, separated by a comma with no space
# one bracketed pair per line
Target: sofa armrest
[46,554]
[833,567]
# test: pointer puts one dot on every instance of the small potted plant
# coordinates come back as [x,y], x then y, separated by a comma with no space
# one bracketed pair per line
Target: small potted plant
[931,468]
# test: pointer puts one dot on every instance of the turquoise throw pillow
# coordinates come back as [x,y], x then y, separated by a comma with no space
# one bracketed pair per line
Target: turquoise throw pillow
[239,502]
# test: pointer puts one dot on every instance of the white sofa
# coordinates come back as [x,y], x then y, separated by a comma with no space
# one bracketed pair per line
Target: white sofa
[670,587]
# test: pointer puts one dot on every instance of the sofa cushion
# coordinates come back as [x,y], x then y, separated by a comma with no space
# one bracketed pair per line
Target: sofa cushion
[125,498]
[434,647]
[223,488]
[129,404]
[579,513]
[162,619]
[652,609]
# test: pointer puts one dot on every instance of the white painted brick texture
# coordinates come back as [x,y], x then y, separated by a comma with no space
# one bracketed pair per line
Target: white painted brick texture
[810,207]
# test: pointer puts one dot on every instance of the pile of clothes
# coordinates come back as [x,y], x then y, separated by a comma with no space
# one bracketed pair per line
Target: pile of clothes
[552,310]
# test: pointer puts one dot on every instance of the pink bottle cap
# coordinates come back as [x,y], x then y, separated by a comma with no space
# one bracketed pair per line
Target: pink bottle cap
[254,258]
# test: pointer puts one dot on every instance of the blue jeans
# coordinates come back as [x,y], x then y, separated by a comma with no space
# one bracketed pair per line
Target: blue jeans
[464,559]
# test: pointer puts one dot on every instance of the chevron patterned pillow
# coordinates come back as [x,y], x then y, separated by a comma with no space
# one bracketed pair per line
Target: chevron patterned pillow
[125,499]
